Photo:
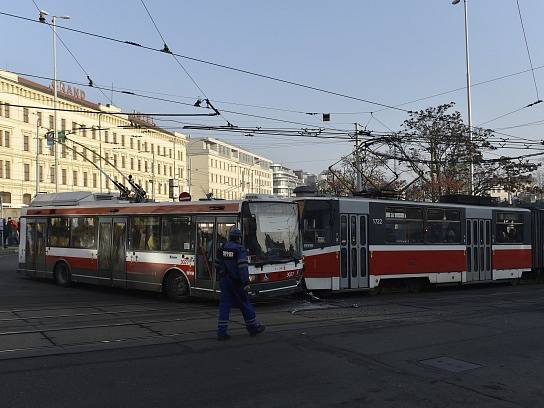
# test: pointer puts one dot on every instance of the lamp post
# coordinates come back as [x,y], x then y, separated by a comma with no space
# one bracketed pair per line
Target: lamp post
[469,98]
[54,26]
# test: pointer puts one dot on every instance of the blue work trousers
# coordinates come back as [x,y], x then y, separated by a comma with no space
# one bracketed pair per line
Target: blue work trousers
[233,294]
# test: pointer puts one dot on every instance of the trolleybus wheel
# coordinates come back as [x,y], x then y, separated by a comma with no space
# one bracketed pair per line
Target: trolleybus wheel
[62,275]
[176,286]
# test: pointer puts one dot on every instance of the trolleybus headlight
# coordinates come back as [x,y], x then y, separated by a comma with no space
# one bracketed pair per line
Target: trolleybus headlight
[252,278]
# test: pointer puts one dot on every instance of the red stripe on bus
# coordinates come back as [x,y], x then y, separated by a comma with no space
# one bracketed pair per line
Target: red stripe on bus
[512,259]
[136,209]
[416,262]
[322,265]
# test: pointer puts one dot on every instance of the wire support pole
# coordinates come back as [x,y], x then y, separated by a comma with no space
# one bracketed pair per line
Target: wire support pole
[469,96]
[55,148]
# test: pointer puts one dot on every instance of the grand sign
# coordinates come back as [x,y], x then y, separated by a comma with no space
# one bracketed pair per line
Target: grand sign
[68,90]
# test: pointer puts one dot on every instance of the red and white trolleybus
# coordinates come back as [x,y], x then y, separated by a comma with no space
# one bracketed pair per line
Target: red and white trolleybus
[170,247]
[358,243]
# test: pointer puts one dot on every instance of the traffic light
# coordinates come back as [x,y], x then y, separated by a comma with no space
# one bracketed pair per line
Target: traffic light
[61,136]
[50,137]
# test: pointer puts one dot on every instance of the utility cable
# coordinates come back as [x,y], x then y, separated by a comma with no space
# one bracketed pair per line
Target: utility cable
[528,52]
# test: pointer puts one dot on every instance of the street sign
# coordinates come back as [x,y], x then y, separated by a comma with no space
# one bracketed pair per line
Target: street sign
[61,136]
[184,196]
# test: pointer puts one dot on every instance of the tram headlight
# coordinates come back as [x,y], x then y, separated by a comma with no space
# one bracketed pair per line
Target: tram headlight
[252,278]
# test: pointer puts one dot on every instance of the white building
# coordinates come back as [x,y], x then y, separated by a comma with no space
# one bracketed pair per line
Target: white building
[225,170]
[284,181]
[131,142]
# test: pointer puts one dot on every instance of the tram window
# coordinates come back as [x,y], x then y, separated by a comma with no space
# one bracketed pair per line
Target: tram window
[83,232]
[316,221]
[353,230]
[343,229]
[223,229]
[509,228]
[443,226]
[145,233]
[404,225]
[59,232]
[176,234]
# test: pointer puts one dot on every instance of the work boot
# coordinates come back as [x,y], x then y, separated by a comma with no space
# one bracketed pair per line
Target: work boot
[223,337]
[257,330]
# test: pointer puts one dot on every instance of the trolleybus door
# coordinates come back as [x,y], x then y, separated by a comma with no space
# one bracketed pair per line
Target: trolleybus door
[478,249]
[353,251]
[35,244]
[111,256]
[205,253]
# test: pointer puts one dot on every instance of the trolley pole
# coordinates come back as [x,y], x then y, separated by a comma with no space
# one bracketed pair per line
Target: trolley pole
[358,178]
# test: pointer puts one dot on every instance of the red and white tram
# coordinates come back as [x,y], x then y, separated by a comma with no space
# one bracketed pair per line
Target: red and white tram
[170,247]
[358,243]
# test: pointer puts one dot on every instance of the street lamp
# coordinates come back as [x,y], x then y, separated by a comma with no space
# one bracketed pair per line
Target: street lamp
[42,19]
[469,99]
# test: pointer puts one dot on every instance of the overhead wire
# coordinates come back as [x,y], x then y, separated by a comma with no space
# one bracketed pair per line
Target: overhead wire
[527,48]
[72,54]
[215,64]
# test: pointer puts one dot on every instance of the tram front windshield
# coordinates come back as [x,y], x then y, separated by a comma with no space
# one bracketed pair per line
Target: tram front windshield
[271,232]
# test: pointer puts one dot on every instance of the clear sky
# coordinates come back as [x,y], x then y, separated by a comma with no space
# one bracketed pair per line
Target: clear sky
[391,51]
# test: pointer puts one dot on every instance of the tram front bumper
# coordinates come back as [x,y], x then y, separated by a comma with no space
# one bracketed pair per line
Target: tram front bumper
[278,288]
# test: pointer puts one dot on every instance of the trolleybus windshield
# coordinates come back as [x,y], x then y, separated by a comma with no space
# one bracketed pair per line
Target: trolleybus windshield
[271,232]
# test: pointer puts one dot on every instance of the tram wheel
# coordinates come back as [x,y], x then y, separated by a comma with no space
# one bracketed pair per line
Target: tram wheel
[176,287]
[62,275]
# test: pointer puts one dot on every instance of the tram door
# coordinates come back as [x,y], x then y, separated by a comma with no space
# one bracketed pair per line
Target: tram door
[35,244]
[478,256]
[353,251]
[210,233]
[112,250]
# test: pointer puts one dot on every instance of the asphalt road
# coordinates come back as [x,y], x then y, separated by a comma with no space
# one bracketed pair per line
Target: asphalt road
[95,347]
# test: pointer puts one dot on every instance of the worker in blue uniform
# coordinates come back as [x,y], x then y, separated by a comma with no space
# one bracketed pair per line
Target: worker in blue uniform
[231,267]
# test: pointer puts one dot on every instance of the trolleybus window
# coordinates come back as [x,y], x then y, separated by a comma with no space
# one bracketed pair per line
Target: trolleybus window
[271,231]
[509,228]
[404,225]
[59,232]
[443,226]
[83,232]
[145,233]
[177,234]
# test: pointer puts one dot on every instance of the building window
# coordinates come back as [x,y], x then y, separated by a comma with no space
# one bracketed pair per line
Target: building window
[6,138]
[63,124]
[83,130]
[6,110]
[6,197]
[26,146]
[26,168]
[131,143]
[131,163]
[27,198]
[93,133]
[95,183]
[63,176]
[106,137]
[84,179]
[115,160]
[139,144]
[74,126]
[123,162]
[139,165]
[25,115]
[74,153]
[123,140]
[159,168]
[84,152]
[41,173]
[63,151]
[52,174]
[7,173]
[114,138]
[51,122]
[40,146]
[74,177]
